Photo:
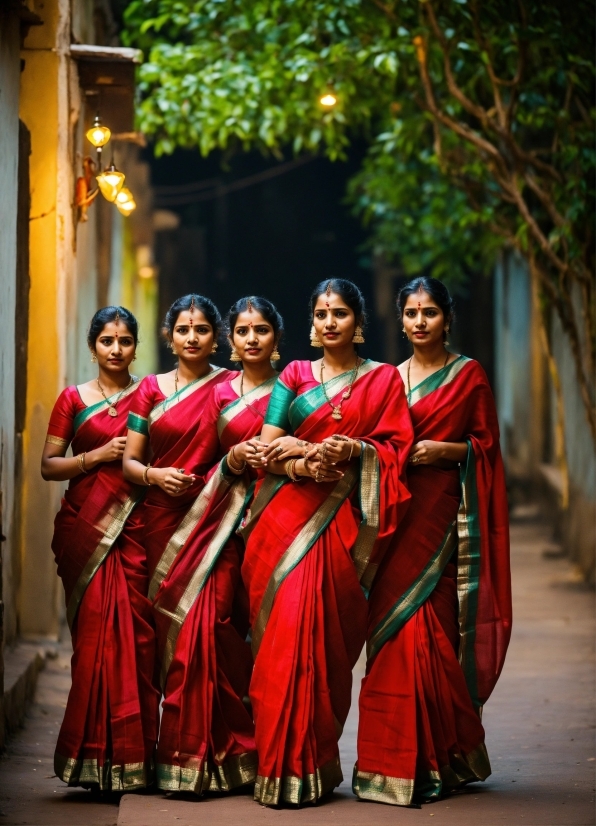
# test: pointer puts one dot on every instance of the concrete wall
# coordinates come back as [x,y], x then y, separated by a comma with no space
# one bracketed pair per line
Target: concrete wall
[9,143]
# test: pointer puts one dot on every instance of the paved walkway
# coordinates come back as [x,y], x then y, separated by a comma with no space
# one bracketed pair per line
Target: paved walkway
[540,733]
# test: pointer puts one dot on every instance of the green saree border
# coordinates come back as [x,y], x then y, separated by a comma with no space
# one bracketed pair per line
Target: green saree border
[271,485]
[99,407]
[238,406]
[218,482]
[119,778]
[111,523]
[207,776]
[182,394]
[468,571]
[279,404]
[440,378]
[202,572]
[137,423]
[298,549]
[308,403]
[407,605]
[270,791]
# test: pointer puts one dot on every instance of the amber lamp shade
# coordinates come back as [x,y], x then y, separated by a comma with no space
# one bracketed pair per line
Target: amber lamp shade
[125,201]
[98,135]
[110,182]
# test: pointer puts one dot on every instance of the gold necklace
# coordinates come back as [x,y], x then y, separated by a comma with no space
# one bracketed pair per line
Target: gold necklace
[112,405]
[190,382]
[246,404]
[409,364]
[336,408]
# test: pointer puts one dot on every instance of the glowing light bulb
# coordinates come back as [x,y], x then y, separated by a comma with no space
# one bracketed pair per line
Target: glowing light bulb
[110,182]
[98,135]
[124,196]
[328,100]
[127,207]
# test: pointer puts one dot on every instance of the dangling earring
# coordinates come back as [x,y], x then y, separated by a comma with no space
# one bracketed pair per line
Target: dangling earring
[358,337]
[445,334]
[134,358]
[214,348]
[234,355]
[171,346]
[314,339]
[275,354]
[93,356]
[403,330]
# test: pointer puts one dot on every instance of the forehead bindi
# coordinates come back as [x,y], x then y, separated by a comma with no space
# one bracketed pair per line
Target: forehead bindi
[250,318]
[331,301]
[420,301]
[114,329]
[191,319]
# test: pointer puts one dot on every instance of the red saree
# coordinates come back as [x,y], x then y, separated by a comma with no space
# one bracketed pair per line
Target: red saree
[440,609]
[108,735]
[206,738]
[312,550]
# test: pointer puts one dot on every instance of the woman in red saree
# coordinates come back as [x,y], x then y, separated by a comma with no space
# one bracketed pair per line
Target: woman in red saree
[440,609]
[206,737]
[318,527]
[107,739]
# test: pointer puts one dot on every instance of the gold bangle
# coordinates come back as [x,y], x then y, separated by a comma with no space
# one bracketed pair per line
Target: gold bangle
[236,469]
[351,450]
[81,461]
[289,468]
[146,476]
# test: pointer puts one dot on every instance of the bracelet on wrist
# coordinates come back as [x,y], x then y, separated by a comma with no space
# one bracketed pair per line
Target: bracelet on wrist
[146,476]
[81,462]
[352,445]
[235,468]
[290,468]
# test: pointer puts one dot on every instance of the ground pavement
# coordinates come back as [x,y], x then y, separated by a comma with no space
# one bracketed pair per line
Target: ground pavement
[540,733]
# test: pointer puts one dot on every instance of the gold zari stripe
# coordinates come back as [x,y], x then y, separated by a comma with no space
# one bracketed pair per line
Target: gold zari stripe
[270,791]
[268,489]
[194,514]
[163,406]
[369,506]
[56,440]
[206,776]
[298,548]
[111,523]
[239,405]
[202,572]
[109,778]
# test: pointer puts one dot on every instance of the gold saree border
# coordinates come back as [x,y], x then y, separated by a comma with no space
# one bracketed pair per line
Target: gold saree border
[239,405]
[445,375]
[99,407]
[111,524]
[202,572]
[219,482]
[206,776]
[418,592]
[430,785]
[468,571]
[270,791]
[116,778]
[368,531]
[165,405]
[299,547]
[271,484]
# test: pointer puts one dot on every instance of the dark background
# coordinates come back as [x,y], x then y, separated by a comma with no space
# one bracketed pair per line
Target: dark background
[252,225]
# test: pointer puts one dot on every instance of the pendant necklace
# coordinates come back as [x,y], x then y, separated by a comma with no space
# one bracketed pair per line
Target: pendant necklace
[246,404]
[336,408]
[112,405]
[409,364]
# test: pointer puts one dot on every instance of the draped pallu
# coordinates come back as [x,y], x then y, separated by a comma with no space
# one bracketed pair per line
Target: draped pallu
[311,554]
[109,732]
[206,739]
[440,609]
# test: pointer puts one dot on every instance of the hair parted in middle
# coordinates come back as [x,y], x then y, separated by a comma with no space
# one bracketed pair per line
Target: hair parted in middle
[112,313]
[348,291]
[189,303]
[258,304]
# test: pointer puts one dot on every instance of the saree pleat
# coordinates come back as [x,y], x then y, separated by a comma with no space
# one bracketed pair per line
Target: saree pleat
[307,600]
[109,731]
[420,734]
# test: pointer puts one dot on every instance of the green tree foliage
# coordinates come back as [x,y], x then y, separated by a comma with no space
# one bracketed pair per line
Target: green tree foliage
[479,118]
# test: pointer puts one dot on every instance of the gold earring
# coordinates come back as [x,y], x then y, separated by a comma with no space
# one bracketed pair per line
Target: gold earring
[134,358]
[214,348]
[275,354]
[314,339]
[93,356]
[234,355]
[358,337]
